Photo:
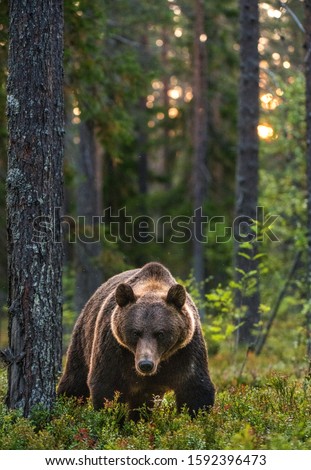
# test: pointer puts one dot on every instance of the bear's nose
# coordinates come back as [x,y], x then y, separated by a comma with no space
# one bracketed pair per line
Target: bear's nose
[145,366]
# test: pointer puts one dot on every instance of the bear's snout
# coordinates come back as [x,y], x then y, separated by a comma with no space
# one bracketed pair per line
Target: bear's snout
[146,366]
[146,356]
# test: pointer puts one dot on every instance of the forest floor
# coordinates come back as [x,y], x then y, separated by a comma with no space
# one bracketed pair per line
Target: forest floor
[262,402]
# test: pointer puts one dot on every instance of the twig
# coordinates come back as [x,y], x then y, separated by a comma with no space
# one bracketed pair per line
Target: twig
[249,350]
[308,328]
[271,74]
[125,40]
[262,339]
[8,357]
[293,15]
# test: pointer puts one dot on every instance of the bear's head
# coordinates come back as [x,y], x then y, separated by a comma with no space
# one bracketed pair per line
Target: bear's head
[153,326]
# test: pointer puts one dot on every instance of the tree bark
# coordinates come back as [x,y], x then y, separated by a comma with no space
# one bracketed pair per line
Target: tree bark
[247,168]
[89,202]
[308,120]
[199,173]
[34,197]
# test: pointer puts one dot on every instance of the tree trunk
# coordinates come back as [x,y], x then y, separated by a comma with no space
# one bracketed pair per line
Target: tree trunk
[34,184]
[247,170]
[89,199]
[199,175]
[141,130]
[308,119]
[142,165]
[167,153]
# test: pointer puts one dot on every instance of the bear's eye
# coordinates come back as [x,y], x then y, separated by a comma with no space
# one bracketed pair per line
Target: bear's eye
[159,334]
[136,334]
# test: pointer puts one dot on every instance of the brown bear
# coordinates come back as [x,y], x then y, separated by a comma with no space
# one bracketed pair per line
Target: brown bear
[140,335]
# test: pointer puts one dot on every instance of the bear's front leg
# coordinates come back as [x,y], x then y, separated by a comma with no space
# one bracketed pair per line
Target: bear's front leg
[101,391]
[140,402]
[105,374]
[74,379]
[196,394]
[99,395]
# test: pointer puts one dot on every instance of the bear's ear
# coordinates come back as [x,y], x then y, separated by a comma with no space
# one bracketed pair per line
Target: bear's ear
[124,295]
[176,296]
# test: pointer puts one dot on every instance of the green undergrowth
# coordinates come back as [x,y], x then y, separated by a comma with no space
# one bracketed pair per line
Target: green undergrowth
[262,402]
[274,413]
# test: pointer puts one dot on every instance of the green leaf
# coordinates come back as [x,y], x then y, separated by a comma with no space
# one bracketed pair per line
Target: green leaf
[259,255]
[246,246]
[241,271]
[235,285]
[244,255]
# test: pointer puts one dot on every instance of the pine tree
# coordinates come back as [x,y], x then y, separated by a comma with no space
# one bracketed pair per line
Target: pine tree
[199,173]
[88,208]
[247,297]
[34,197]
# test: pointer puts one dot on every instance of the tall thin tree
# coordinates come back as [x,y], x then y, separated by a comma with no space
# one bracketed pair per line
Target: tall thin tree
[34,196]
[199,173]
[141,131]
[89,186]
[308,119]
[247,170]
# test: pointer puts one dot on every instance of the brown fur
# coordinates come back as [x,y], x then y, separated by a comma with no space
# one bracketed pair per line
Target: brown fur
[140,335]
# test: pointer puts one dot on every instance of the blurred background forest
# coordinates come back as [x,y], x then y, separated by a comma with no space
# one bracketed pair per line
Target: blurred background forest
[131,78]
